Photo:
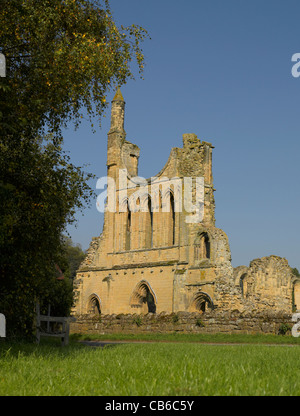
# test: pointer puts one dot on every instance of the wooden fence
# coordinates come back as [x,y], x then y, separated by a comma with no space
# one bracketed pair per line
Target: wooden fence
[56,326]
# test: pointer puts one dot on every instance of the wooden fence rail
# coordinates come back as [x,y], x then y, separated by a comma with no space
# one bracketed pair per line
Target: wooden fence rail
[58,331]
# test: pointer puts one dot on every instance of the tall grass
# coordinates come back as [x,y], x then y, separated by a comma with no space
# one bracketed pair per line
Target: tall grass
[154,369]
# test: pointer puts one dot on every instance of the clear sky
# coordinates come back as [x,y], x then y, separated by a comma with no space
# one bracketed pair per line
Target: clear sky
[222,70]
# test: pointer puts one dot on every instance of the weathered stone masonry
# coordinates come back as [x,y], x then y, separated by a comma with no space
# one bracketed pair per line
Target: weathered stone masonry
[154,261]
[184,322]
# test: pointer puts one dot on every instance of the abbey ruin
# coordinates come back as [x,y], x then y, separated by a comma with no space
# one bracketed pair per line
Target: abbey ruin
[152,255]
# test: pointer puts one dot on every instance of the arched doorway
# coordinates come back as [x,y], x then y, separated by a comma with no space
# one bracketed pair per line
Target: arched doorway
[94,305]
[201,302]
[143,298]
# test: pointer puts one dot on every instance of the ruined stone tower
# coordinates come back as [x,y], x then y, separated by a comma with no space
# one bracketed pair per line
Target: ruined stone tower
[160,249]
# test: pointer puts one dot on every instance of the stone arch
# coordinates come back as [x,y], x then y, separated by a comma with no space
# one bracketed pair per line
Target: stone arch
[149,224]
[172,219]
[123,204]
[143,298]
[166,195]
[145,199]
[156,199]
[202,246]
[296,295]
[243,284]
[94,305]
[128,228]
[141,206]
[124,221]
[237,274]
[201,302]
[168,207]
[134,202]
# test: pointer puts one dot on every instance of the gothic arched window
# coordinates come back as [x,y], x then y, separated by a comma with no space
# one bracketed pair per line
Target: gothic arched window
[148,227]
[128,228]
[202,248]
[172,219]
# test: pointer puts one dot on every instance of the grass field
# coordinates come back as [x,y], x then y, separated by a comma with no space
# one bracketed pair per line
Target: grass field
[200,337]
[179,368]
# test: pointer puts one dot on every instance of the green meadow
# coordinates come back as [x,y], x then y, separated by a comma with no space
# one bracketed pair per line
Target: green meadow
[169,366]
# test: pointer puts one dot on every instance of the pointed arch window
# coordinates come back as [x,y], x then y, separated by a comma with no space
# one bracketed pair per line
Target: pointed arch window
[151,221]
[172,219]
[94,306]
[205,247]
[202,249]
[128,228]
[243,284]
[149,224]
[143,298]
[168,218]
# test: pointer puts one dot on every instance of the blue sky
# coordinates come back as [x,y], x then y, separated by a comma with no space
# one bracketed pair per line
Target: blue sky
[222,70]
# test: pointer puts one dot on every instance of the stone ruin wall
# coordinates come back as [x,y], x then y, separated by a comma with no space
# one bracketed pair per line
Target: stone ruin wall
[266,285]
[183,322]
[244,298]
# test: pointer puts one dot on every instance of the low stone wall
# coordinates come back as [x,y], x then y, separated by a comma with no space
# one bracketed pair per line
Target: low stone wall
[185,322]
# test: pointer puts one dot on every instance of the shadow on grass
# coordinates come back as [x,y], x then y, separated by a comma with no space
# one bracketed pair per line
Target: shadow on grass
[79,342]
[47,347]
[223,338]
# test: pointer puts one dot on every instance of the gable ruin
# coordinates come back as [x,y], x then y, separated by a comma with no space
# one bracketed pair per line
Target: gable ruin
[159,252]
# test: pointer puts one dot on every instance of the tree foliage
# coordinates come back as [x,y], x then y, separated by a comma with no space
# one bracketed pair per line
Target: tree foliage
[62,58]
[41,192]
[59,294]
[73,257]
